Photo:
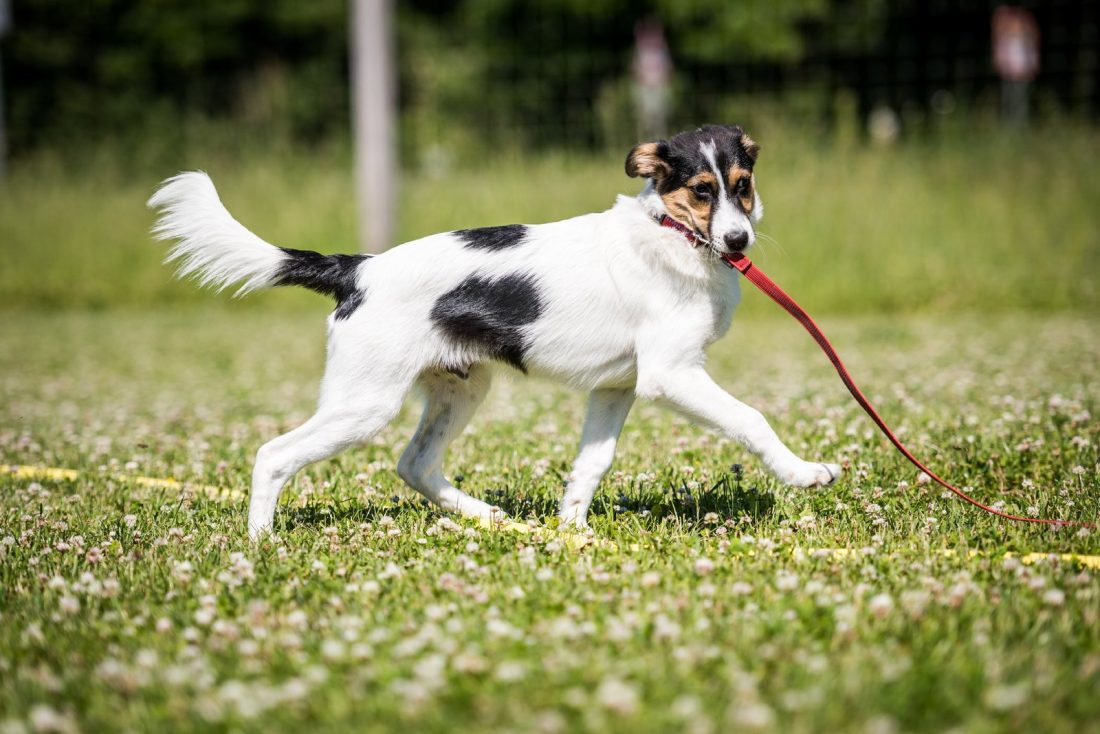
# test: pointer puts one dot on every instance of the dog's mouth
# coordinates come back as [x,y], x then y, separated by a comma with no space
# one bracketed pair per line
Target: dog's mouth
[700,238]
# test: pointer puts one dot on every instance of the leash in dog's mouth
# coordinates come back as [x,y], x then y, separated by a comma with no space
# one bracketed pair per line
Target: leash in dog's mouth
[693,236]
[738,261]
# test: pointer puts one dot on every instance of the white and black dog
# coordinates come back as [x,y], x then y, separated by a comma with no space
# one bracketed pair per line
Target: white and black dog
[622,304]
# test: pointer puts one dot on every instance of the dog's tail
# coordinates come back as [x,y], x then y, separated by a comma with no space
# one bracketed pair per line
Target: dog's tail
[219,251]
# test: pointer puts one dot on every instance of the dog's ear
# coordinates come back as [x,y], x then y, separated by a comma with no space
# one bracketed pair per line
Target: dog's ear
[752,148]
[648,160]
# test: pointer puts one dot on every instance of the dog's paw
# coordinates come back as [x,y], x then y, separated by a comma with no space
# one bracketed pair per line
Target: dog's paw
[468,506]
[573,515]
[573,522]
[811,474]
[257,532]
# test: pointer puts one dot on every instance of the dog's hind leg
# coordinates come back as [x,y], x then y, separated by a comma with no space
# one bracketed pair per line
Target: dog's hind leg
[450,402]
[607,411]
[337,425]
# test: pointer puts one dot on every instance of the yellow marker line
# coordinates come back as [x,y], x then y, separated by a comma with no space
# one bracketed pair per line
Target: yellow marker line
[40,472]
[1029,558]
[55,474]
[1025,558]
[573,539]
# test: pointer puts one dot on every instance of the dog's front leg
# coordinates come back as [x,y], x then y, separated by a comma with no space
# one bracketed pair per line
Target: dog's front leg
[691,391]
[607,411]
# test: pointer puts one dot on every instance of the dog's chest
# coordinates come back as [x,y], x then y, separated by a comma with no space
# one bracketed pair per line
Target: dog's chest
[723,304]
[705,317]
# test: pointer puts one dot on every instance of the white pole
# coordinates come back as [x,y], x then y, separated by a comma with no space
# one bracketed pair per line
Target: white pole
[373,95]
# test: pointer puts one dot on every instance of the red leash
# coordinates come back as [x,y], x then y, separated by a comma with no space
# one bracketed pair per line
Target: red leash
[738,261]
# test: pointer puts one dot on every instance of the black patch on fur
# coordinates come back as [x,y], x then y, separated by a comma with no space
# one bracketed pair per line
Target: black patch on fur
[491,313]
[329,275]
[346,307]
[493,238]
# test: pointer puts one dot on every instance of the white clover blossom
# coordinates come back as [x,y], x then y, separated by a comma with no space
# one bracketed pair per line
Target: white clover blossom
[617,696]
[786,581]
[881,605]
[1054,597]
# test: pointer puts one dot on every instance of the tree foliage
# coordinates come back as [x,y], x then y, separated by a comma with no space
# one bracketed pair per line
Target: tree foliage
[540,71]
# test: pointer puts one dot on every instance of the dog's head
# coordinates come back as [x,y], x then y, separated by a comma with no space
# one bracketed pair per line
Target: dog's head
[704,177]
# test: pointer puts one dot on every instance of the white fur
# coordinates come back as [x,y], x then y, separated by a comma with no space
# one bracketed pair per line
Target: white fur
[210,243]
[628,310]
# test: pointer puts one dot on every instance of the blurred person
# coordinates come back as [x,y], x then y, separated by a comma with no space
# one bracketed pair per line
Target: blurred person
[1016,58]
[652,75]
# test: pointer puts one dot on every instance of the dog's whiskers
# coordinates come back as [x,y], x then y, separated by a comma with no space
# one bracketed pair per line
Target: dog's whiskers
[761,238]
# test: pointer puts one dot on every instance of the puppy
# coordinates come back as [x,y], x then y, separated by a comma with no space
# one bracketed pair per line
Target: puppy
[621,304]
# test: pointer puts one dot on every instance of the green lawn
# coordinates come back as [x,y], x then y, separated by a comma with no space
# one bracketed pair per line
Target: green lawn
[126,608]
[958,279]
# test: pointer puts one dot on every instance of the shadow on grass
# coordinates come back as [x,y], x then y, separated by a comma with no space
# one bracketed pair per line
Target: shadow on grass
[726,498]
[323,514]
[652,504]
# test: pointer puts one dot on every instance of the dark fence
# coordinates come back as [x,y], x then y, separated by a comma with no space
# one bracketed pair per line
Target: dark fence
[533,74]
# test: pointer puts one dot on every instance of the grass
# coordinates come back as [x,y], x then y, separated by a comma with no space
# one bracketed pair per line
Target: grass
[957,280]
[133,609]
[996,222]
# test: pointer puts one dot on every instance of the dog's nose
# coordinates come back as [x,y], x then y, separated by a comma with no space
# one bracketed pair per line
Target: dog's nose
[737,241]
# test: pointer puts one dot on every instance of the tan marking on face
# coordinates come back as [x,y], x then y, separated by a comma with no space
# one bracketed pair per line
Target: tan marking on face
[734,180]
[687,208]
[706,177]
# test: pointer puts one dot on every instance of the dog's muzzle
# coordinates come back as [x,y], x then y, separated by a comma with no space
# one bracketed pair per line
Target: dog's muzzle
[736,241]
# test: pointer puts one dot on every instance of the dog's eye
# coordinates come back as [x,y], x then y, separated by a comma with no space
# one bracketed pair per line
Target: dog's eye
[743,184]
[701,190]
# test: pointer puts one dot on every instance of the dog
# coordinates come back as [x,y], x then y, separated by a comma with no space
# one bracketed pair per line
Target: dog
[621,303]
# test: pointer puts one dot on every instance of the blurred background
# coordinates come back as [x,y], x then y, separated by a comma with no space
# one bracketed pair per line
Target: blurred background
[917,155]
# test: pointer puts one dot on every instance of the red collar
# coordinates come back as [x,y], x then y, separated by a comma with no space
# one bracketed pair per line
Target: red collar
[667,221]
